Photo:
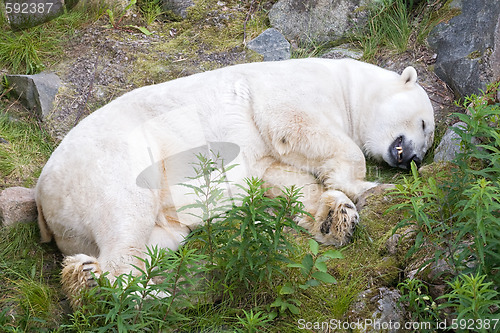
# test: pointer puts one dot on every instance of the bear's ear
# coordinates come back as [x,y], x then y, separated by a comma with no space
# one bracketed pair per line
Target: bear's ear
[409,76]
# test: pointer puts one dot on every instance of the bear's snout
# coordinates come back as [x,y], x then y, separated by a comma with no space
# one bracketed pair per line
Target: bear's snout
[402,153]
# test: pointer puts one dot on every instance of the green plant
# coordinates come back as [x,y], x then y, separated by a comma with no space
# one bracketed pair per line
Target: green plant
[210,203]
[458,220]
[308,50]
[480,138]
[246,242]
[249,244]
[29,51]
[421,307]
[389,25]
[150,10]
[26,297]
[395,25]
[313,271]
[253,322]
[20,51]
[151,300]
[115,22]
[478,211]
[478,218]
[473,300]
[427,215]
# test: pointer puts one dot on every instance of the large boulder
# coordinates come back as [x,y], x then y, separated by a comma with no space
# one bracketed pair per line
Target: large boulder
[36,92]
[272,45]
[178,7]
[17,205]
[24,14]
[468,46]
[317,20]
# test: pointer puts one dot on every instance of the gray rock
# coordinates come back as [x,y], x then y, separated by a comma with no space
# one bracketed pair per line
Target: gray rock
[17,205]
[380,308]
[178,7]
[449,146]
[23,14]
[435,272]
[391,245]
[343,51]
[317,20]
[36,92]
[468,46]
[271,44]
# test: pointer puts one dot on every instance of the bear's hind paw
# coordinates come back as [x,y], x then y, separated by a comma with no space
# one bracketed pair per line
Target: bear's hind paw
[88,268]
[335,219]
[78,273]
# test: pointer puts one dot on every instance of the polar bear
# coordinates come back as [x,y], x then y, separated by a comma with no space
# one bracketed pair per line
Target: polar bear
[111,187]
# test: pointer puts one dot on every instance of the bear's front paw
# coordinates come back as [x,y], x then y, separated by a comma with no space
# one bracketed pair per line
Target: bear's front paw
[335,219]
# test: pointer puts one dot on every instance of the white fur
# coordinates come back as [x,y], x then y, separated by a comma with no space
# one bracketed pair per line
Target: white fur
[298,117]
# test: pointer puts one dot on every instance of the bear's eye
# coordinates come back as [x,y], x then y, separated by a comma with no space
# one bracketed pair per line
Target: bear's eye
[423,125]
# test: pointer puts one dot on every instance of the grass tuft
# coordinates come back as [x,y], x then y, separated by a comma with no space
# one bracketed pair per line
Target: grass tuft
[29,51]
[28,301]
[395,26]
[27,149]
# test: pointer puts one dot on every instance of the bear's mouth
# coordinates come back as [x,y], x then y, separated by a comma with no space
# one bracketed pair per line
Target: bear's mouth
[402,154]
[399,149]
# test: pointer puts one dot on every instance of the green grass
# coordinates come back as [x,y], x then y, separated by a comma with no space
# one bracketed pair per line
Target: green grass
[32,50]
[150,10]
[309,50]
[27,150]
[29,297]
[394,27]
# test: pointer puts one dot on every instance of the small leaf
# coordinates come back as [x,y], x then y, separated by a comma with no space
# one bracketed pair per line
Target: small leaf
[287,289]
[307,264]
[314,246]
[277,303]
[321,266]
[312,282]
[293,309]
[333,254]
[324,277]
[141,29]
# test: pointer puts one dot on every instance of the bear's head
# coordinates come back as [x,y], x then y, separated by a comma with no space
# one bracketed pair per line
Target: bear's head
[401,127]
